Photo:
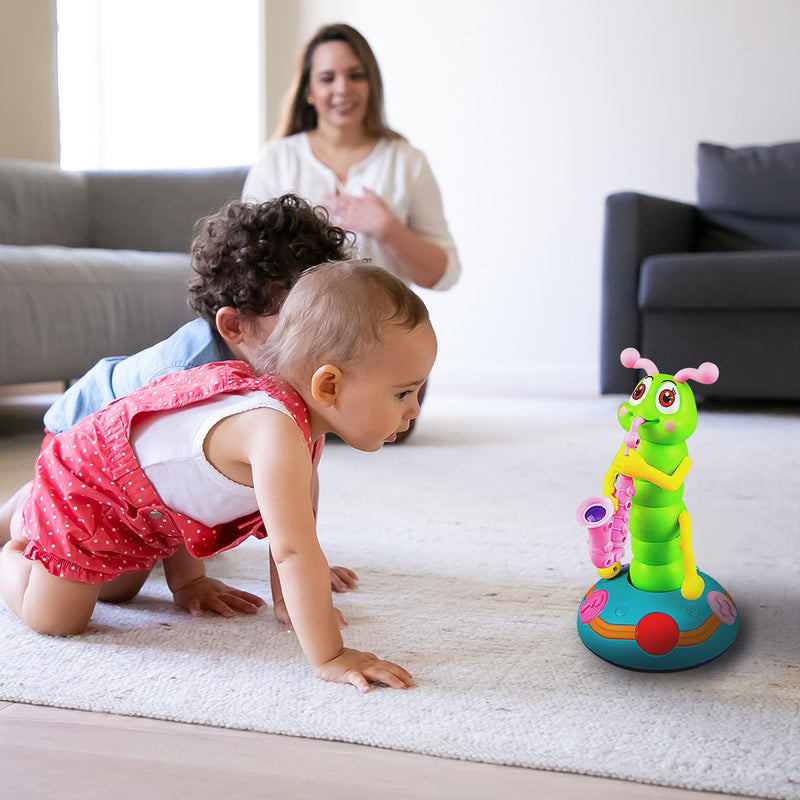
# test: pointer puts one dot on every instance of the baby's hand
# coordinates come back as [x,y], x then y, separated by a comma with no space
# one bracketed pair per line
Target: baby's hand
[343,579]
[213,595]
[359,669]
[282,615]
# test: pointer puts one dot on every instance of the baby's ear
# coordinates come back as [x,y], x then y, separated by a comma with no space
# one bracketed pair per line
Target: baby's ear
[229,324]
[325,385]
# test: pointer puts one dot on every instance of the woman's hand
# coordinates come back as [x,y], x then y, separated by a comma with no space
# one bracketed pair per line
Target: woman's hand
[360,669]
[208,594]
[420,261]
[367,215]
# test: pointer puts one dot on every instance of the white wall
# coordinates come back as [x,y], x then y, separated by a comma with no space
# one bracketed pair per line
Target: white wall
[531,112]
[149,84]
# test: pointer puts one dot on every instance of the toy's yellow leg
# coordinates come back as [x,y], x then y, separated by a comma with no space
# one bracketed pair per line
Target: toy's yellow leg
[609,572]
[693,585]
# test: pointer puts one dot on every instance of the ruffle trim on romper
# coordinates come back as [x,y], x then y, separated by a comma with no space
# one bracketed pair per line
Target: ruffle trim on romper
[62,568]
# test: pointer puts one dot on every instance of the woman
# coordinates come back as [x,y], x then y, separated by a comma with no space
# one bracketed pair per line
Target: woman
[334,148]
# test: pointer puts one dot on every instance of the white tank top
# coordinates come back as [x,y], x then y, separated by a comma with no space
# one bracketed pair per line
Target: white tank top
[169,448]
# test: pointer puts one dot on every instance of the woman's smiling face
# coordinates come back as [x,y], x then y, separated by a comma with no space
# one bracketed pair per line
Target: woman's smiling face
[338,86]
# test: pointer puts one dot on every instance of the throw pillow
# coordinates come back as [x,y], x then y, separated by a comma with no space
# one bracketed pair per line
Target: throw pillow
[762,181]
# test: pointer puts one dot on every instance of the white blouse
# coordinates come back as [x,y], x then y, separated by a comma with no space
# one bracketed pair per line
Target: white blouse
[394,170]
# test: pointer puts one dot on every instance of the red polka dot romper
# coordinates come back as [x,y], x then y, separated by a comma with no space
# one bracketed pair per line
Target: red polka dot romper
[92,514]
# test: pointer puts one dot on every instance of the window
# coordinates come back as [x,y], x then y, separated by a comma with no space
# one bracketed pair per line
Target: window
[158,83]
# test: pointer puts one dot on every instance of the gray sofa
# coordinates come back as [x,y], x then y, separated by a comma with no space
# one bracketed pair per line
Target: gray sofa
[95,263]
[716,281]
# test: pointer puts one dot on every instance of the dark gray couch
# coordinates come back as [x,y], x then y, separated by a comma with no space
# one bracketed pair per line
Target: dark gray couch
[95,263]
[716,281]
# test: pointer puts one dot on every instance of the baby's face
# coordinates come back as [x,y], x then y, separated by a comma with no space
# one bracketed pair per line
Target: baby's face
[379,397]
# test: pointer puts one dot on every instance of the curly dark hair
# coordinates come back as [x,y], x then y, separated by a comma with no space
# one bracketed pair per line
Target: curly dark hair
[248,255]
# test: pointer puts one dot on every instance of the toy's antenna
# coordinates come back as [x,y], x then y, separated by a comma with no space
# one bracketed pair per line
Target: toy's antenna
[705,373]
[630,358]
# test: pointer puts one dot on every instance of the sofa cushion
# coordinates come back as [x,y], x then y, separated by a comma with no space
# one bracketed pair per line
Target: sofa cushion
[72,306]
[759,182]
[156,209]
[719,230]
[42,204]
[749,197]
[720,281]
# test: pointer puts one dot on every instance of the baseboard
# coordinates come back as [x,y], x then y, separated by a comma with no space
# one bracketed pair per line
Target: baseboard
[26,390]
[526,380]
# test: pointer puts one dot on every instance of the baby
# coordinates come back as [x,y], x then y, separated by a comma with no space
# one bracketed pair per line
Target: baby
[199,460]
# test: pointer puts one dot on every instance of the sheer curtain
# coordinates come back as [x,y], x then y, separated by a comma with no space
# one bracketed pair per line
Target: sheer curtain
[158,83]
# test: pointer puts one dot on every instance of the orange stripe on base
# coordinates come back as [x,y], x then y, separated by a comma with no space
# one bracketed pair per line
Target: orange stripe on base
[701,634]
[628,632]
[609,631]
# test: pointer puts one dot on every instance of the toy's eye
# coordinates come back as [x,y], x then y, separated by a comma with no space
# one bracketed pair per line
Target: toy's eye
[668,400]
[640,392]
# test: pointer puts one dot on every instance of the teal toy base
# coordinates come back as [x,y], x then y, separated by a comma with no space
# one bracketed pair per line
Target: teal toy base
[656,631]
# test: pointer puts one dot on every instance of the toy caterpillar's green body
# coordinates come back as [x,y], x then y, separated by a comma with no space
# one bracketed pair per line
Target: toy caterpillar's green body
[657,564]
[664,409]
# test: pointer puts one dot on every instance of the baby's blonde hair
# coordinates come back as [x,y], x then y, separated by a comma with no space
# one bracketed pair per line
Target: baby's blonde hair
[335,314]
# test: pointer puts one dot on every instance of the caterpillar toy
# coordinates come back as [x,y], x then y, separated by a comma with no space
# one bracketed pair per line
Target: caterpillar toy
[658,613]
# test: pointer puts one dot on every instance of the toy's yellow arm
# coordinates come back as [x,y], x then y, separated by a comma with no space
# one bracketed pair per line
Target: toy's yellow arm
[693,585]
[634,466]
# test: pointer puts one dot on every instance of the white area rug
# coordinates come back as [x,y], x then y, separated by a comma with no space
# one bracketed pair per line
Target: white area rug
[472,569]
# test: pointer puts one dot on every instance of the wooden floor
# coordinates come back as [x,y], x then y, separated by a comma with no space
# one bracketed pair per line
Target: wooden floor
[56,753]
